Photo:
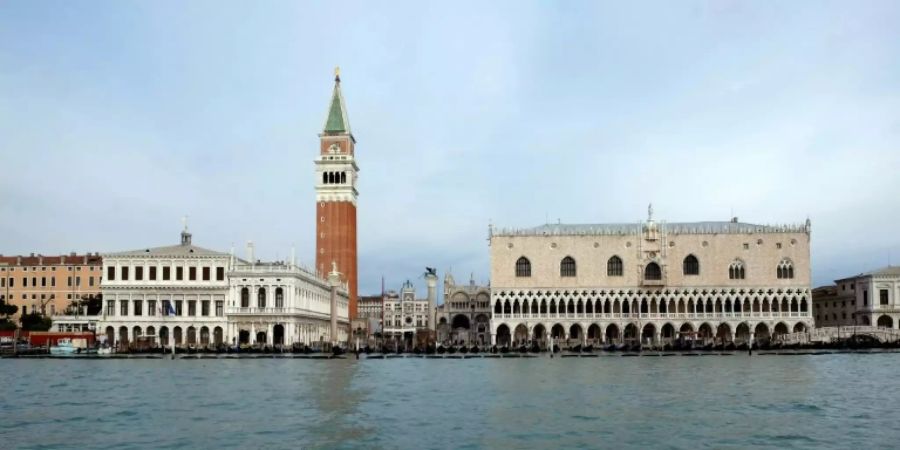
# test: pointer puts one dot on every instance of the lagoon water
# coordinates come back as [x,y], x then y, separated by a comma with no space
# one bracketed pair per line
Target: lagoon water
[810,401]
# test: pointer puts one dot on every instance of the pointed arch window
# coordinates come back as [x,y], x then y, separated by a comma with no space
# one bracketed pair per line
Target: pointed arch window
[691,265]
[785,269]
[652,272]
[567,267]
[736,271]
[614,267]
[523,267]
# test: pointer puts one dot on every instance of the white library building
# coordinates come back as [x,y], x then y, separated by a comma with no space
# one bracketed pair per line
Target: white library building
[190,296]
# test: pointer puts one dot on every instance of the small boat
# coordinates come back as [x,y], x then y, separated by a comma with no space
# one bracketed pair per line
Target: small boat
[64,346]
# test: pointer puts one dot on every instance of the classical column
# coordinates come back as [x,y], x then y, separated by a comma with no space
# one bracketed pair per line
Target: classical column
[334,281]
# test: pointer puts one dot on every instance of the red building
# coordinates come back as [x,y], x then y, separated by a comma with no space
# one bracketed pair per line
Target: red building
[336,195]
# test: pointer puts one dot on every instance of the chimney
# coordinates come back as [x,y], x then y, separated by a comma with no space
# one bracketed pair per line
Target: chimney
[250,252]
[62,259]
[40,260]
[85,258]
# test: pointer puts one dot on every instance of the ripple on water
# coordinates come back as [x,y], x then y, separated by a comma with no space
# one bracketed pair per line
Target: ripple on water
[800,402]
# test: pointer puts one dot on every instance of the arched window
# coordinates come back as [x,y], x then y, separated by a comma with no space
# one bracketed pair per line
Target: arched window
[736,271]
[245,298]
[614,267]
[279,298]
[567,267]
[523,267]
[324,177]
[691,265]
[343,177]
[785,269]
[652,272]
[261,298]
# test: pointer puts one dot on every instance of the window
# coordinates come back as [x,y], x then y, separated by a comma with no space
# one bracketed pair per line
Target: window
[53,282]
[204,307]
[785,270]
[166,307]
[261,298]
[865,297]
[77,281]
[69,280]
[220,273]
[523,267]
[125,273]
[279,298]
[91,281]
[3,282]
[152,275]
[614,267]
[139,273]
[691,265]
[883,296]
[111,273]
[138,308]
[25,281]
[111,308]
[778,245]
[567,267]
[736,271]
[178,308]
[206,274]
[43,281]
[219,308]
[192,308]
[179,273]
[167,271]
[245,298]
[151,307]
[12,282]
[192,273]
[123,308]
[746,246]
[652,272]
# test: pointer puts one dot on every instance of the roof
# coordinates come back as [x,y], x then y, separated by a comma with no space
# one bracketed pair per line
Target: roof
[171,250]
[723,227]
[61,260]
[888,271]
[337,121]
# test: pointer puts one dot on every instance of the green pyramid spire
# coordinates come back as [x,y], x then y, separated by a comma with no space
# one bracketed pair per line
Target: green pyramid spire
[337,114]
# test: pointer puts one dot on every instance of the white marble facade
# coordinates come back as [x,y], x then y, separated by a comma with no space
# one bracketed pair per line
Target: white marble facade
[188,295]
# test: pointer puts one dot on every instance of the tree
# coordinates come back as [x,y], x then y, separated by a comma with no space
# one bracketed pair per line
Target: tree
[35,322]
[6,309]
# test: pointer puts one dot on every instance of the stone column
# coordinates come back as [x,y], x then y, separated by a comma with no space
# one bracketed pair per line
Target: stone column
[334,281]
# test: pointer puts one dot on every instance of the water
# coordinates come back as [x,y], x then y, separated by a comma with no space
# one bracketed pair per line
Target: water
[813,401]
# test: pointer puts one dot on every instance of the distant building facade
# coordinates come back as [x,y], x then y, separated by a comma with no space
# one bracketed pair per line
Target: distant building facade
[191,296]
[49,284]
[876,295]
[464,317]
[835,306]
[652,281]
[405,316]
[281,304]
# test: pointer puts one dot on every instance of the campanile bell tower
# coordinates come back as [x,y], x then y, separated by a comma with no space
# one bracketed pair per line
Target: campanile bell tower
[336,175]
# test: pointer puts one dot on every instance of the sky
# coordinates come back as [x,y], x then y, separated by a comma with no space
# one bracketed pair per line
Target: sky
[119,118]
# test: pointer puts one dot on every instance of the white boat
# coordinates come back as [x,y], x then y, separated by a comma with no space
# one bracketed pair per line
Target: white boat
[104,351]
[64,346]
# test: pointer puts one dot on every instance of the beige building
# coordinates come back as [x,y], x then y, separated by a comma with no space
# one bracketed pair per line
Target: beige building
[835,306]
[465,315]
[48,284]
[651,280]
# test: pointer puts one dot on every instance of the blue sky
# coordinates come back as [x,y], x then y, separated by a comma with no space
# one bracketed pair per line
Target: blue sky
[118,118]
